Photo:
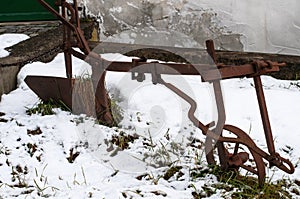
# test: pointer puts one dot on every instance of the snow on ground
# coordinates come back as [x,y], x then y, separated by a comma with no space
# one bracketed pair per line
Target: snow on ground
[34,149]
[7,40]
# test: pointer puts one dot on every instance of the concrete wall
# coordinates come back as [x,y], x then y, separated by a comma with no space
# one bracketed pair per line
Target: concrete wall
[250,25]
[8,79]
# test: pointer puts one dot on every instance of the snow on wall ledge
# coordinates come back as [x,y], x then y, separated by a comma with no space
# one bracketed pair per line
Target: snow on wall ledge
[250,25]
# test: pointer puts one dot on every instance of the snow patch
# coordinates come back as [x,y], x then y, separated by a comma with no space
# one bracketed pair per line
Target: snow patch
[7,40]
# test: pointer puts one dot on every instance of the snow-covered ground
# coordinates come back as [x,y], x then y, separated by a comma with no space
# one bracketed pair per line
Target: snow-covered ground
[34,149]
[7,40]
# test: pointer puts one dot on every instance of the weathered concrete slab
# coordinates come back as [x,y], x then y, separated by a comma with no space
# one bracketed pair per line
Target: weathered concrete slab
[30,28]
[42,47]
[34,49]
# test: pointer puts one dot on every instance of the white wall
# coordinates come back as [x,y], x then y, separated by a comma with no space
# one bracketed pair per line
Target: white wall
[250,25]
[266,25]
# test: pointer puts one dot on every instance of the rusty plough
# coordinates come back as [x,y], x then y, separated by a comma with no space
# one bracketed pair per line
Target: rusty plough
[57,88]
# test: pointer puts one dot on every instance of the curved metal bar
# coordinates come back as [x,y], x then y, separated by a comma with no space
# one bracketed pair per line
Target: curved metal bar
[242,138]
[188,99]
[276,160]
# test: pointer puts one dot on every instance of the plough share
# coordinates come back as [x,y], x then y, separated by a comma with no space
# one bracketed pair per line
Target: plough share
[60,89]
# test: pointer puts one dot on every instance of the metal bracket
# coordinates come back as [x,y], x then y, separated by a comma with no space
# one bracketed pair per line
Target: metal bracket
[156,77]
[135,74]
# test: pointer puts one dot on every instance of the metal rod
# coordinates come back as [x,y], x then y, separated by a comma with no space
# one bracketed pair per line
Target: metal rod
[264,114]
[67,45]
[76,13]
[220,107]
[54,12]
[188,99]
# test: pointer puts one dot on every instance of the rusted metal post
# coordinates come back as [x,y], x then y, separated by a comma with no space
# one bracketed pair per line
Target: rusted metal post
[264,114]
[221,111]
[66,44]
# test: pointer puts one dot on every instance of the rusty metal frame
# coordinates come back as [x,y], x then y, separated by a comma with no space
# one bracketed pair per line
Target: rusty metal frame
[214,73]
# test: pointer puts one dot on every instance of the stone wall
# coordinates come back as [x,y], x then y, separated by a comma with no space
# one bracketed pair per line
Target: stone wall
[250,25]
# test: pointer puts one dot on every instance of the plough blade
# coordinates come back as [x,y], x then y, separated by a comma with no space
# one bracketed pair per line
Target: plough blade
[58,89]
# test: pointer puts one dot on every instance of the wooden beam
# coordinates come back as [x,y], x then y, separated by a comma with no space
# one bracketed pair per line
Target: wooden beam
[192,55]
